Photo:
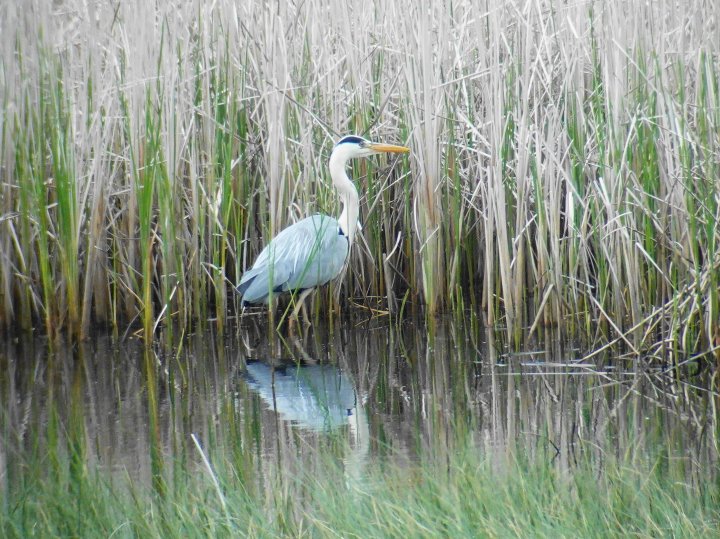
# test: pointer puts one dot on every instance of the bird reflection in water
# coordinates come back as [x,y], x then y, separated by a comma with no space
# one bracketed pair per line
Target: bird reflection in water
[317,397]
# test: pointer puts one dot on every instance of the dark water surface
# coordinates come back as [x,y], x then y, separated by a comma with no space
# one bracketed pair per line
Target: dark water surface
[365,394]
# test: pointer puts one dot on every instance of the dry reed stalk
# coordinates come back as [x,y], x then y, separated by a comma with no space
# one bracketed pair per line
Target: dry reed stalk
[426,109]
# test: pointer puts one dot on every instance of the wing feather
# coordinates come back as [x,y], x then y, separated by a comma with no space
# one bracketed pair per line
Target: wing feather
[304,255]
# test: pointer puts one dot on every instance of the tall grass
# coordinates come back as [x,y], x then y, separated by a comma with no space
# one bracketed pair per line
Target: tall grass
[466,497]
[564,161]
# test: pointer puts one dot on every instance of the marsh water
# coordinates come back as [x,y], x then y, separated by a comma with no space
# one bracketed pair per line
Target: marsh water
[364,393]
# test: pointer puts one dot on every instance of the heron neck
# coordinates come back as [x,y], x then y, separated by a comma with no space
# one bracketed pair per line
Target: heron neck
[348,195]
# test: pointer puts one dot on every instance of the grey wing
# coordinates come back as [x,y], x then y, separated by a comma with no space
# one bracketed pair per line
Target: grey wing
[304,255]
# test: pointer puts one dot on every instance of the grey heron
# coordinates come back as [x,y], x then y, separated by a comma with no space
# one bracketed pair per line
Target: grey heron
[313,251]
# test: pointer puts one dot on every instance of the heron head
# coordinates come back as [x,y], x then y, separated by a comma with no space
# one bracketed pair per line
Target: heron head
[353,146]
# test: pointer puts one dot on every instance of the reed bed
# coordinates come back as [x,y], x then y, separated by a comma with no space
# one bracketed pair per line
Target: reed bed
[564,163]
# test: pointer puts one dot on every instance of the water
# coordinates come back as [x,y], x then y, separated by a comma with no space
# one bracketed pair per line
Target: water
[366,394]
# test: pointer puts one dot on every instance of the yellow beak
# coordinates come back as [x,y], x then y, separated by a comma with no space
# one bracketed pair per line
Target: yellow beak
[388,148]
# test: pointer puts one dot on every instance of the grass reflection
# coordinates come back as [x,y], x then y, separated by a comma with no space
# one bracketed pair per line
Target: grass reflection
[448,435]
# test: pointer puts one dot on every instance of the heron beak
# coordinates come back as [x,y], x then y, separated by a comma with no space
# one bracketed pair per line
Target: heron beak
[387,148]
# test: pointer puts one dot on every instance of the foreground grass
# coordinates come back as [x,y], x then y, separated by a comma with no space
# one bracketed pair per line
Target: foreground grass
[463,497]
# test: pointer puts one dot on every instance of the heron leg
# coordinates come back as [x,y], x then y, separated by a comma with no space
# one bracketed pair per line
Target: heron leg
[300,304]
[306,315]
